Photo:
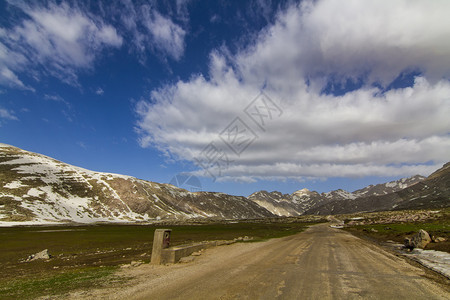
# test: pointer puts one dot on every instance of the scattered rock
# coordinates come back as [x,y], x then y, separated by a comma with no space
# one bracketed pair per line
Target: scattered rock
[439,239]
[419,240]
[241,239]
[198,253]
[143,254]
[136,263]
[186,259]
[373,230]
[40,255]
[225,242]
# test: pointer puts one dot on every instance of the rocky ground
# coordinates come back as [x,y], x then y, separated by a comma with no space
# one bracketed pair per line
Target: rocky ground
[397,225]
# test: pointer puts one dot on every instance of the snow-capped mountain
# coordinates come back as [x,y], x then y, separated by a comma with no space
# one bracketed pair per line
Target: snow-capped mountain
[303,200]
[275,202]
[389,187]
[416,192]
[36,189]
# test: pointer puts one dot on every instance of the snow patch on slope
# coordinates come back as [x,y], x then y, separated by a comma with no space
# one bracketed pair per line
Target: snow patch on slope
[14,185]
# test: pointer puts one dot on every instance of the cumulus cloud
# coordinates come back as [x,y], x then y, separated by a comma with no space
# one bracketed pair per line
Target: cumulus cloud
[367,131]
[58,38]
[375,40]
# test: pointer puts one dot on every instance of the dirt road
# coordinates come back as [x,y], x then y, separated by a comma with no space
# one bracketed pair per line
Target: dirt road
[320,263]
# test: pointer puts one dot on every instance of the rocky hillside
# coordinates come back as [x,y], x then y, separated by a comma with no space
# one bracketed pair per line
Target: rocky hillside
[388,188]
[430,193]
[36,189]
[305,201]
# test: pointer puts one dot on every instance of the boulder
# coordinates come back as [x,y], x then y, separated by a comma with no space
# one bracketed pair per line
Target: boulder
[40,255]
[419,240]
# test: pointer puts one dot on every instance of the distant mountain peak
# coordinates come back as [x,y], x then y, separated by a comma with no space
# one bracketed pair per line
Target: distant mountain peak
[302,191]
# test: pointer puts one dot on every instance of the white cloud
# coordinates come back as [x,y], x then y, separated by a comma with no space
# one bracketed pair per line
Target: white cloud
[151,31]
[386,37]
[99,91]
[167,36]
[364,132]
[375,39]
[182,10]
[9,61]
[7,77]
[293,171]
[7,114]
[82,145]
[215,18]
[54,97]
[61,40]
[58,38]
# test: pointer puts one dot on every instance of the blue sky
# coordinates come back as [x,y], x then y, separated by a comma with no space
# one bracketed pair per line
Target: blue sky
[245,95]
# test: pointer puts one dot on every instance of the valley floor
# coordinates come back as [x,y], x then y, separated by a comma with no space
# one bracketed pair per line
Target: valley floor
[320,263]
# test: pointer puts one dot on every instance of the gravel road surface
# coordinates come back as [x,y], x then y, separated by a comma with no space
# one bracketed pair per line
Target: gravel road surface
[320,263]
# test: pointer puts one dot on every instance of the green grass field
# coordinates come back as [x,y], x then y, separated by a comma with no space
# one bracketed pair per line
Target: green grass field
[87,256]
[439,227]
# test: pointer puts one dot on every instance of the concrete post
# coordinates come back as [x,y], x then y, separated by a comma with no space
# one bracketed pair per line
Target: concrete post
[161,240]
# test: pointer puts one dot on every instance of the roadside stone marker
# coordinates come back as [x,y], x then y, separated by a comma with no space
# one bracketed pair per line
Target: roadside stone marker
[161,240]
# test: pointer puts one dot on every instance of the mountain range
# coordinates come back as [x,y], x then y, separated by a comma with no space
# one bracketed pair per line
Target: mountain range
[432,192]
[36,189]
[307,202]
